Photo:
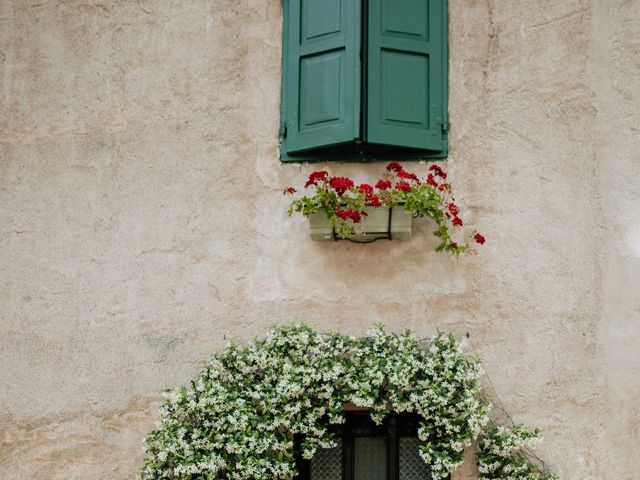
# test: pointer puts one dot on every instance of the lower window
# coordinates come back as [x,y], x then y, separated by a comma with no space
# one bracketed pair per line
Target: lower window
[366,451]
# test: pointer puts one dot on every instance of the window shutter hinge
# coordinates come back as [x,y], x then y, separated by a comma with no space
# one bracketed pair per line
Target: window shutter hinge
[283,129]
[443,124]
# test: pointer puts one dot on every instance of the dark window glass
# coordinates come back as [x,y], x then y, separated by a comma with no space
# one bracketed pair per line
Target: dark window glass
[370,458]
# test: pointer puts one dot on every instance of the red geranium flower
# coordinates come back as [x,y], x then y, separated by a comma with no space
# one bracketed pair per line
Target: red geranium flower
[370,198]
[403,186]
[438,171]
[454,245]
[316,177]
[453,208]
[365,188]
[341,184]
[405,174]
[289,191]
[374,201]
[431,181]
[354,215]
[394,166]
[457,221]
[479,238]
[383,184]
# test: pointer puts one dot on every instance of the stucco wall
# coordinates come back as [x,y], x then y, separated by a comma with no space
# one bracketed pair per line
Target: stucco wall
[142,225]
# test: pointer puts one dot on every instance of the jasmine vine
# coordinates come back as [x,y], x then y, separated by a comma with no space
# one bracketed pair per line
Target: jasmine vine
[238,419]
[502,454]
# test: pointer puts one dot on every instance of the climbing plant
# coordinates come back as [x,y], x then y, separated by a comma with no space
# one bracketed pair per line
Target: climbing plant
[237,420]
[502,454]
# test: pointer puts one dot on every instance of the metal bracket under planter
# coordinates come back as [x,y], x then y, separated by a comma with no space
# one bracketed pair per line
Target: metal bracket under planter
[380,223]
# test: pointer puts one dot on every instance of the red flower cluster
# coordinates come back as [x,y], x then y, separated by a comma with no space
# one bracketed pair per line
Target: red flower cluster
[316,177]
[434,171]
[403,186]
[454,210]
[374,201]
[366,189]
[479,238]
[371,198]
[352,214]
[383,184]
[289,191]
[438,171]
[341,184]
[407,175]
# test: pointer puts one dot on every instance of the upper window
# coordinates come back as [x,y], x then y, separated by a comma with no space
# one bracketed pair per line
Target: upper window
[364,79]
[366,451]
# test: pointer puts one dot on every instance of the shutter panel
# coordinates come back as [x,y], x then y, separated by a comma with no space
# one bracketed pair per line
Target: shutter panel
[323,73]
[406,73]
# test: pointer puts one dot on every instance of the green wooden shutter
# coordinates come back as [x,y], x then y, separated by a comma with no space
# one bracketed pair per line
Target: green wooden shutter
[406,73]
[322,84]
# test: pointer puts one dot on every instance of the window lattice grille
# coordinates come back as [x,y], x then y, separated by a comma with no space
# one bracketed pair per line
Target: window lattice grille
[327,463]
[412,467]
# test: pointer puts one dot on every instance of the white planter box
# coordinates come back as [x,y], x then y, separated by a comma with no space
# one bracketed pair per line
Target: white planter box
[374,226]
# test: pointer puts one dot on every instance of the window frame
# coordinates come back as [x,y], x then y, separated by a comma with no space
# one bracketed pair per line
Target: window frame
[359,424]
[358,153]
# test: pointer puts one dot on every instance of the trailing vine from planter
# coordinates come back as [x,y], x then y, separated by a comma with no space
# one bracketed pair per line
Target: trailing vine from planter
[237,420]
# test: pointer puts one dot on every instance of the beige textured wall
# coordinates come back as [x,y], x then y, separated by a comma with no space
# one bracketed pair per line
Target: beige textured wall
[142,226]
